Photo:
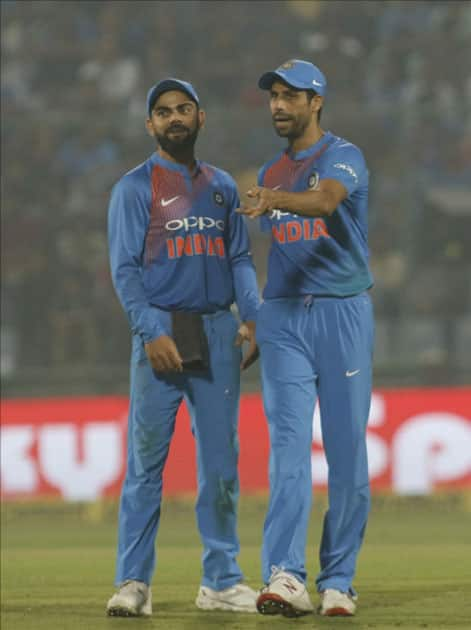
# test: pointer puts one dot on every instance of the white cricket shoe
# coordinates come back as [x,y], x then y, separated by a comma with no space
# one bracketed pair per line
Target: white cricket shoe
[284,595]
[238,598]
[133,599]
[337,604]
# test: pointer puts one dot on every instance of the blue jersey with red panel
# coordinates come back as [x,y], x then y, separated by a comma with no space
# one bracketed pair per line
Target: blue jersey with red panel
[176,243]
[318,256]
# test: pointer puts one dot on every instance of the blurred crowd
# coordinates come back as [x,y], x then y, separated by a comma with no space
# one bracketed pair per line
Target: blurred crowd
[74,79]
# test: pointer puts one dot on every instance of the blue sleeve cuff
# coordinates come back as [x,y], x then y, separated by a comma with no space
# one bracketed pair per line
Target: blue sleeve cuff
[151,323]
[250,314]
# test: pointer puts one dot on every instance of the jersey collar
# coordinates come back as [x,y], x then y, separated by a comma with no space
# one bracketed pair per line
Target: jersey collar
[156,158]
[314,148]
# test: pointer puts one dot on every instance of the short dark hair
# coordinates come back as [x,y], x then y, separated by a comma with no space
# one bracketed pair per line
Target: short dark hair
[310,95]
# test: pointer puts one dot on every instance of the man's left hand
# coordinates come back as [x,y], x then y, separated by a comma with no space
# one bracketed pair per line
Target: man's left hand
[246,332]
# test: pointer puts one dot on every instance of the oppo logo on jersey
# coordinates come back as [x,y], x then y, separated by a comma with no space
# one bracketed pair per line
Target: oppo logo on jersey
[199,223]
[276,214]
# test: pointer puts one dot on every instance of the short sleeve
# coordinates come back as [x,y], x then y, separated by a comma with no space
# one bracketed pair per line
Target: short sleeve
[347,165]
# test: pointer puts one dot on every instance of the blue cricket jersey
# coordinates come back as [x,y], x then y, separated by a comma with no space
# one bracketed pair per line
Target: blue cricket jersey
[318,256]
[176,243]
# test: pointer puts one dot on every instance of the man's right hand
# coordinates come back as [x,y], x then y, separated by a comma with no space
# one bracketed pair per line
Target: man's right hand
[163,354]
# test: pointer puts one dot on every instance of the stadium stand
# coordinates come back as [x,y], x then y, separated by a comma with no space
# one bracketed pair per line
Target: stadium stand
[74,79]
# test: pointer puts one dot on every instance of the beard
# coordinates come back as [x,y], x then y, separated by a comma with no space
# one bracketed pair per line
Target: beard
[295,129]
[181,144]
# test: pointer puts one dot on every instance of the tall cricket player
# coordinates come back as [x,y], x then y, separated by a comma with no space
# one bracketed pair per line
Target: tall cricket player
[180,253]
[315,333]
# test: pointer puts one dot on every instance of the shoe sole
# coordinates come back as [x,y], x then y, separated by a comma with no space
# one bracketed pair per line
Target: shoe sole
[272,604]
[124,612]
[121,612]
[337,612]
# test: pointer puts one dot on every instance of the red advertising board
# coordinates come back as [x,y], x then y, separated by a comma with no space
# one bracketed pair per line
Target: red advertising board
[419,440]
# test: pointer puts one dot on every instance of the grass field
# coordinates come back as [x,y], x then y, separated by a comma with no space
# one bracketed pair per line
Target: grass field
[58,562]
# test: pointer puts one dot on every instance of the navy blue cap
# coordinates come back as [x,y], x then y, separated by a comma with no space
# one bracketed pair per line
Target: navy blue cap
[299,74]
[165,86]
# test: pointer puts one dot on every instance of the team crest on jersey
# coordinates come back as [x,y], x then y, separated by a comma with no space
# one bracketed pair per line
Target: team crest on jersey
[313,180]
[218,198]
[287,65]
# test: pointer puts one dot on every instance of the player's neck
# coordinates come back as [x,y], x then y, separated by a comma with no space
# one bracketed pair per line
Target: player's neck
[186,157]
[309,137]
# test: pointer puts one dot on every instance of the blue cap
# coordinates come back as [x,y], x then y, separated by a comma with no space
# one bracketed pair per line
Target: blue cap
[299,74]
[165,86]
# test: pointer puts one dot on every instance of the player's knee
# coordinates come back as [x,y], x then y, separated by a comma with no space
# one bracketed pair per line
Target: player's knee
[224,494]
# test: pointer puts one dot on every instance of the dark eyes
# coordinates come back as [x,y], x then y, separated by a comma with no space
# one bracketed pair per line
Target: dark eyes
[163,112]
[289,95]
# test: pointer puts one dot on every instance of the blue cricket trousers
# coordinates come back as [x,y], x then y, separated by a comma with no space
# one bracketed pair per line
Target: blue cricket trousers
[213,401]
[314,347]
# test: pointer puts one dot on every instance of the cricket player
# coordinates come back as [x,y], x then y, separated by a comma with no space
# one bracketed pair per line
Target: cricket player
[315,334]
[177,245]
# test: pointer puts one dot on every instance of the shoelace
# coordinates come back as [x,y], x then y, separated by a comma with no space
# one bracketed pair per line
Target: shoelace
[274,571]
[137,587]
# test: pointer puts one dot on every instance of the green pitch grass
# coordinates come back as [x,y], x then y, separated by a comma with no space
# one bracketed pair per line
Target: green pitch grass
[58,562]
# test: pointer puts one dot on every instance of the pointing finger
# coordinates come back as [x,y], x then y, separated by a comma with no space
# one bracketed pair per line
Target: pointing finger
[253,192]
